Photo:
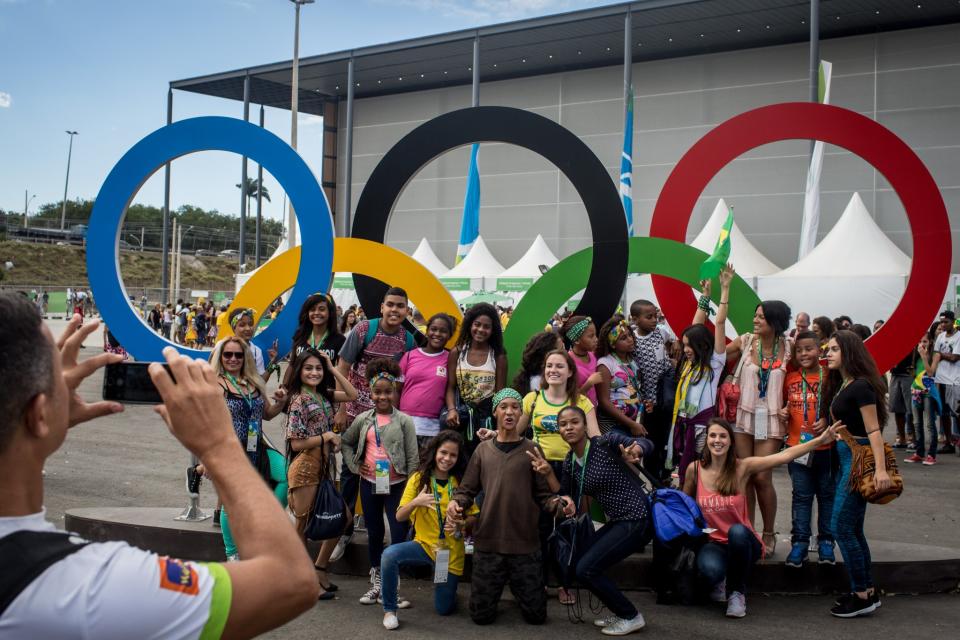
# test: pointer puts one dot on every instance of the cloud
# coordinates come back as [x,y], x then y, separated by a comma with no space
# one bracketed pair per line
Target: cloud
[309,120]
[492,9]
[5,100]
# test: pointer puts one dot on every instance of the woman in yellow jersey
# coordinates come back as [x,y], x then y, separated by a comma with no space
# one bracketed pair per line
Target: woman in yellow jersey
[558,389]
[438,542]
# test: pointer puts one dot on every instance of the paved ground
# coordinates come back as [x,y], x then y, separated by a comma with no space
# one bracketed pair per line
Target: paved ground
[902,617]
[132,460]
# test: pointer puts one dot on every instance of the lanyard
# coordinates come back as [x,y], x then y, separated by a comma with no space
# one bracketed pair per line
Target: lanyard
[451,485]
[627,368]
[320,401]
[376,429]
[686,375]
[583,471]
[764,373]
[247,398]
[316,344]
[803,387]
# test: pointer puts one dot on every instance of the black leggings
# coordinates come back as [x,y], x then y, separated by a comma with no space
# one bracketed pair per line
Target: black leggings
[374,508]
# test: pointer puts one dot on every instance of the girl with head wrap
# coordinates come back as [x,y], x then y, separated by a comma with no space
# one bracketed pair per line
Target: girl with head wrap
[580,334]
[618,394]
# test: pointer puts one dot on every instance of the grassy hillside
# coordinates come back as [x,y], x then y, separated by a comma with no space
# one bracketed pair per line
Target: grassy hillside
[52,266]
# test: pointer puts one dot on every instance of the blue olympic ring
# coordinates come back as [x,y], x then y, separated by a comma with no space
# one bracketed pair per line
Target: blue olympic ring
[208,133]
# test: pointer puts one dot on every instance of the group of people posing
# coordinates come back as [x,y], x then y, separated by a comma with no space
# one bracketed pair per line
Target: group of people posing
[440,448]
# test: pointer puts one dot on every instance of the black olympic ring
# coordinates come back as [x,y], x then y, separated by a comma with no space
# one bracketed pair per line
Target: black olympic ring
[608,225]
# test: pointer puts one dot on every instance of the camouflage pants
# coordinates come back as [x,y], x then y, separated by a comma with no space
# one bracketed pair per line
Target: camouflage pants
[493,571]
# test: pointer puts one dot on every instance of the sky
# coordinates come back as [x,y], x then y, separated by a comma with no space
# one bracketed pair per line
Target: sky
[102,68]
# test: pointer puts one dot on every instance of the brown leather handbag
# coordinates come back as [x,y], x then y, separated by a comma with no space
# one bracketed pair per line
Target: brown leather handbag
[864,465]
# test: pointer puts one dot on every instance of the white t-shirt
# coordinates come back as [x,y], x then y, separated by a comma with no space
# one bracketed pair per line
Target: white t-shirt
[948,372]
[112,590]
[258,358]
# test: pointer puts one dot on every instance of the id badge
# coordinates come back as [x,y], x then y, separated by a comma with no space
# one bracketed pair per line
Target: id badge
[441,567]
[381,474]
[807,458]
[252,436]
[760,420]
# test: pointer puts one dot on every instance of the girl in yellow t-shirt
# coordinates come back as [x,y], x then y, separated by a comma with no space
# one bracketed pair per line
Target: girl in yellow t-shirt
[558,389]
[438,540]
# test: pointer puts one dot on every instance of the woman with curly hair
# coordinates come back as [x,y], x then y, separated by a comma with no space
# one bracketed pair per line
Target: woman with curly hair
[476,369]
[424,504]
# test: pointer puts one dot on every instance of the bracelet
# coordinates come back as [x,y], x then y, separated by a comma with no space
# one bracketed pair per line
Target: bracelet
[724,302]
[704,304]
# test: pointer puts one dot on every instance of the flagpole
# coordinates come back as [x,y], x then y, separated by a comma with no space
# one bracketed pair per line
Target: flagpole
[628,130]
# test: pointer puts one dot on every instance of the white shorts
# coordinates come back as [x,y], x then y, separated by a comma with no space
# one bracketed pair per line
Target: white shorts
[428,427]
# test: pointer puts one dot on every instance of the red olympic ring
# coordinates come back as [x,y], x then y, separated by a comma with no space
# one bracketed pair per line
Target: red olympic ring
[906,173]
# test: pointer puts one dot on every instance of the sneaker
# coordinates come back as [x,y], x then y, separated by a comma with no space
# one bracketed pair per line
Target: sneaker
[798,553]
[899,444]
[621,627]
[912,446]
[402,603]
[736,605]
[826,552]
[605,622]
[852,606]
[947,448]
[719,593]
[341,548]
[390,621]
[875,598]
[193,481]
[373,595]
[929,461]
[913,458]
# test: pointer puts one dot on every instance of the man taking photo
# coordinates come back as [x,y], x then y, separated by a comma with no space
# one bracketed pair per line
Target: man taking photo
[54,585]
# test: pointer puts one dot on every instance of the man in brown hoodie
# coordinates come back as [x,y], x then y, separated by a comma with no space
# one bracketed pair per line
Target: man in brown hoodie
[506,539]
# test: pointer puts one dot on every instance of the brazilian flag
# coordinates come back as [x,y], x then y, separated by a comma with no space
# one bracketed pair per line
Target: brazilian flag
[721,253]
[925,384]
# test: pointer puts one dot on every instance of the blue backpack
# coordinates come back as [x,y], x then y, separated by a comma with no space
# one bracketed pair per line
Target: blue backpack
[675,514]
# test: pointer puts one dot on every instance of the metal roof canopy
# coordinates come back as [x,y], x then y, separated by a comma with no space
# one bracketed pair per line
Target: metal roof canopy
[575,40]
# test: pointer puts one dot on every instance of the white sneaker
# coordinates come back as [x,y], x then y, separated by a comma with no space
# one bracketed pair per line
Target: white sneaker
[605,622]
[736,605]
[373,595]
[390,621]
[719,593]
[341,548]
[621,627]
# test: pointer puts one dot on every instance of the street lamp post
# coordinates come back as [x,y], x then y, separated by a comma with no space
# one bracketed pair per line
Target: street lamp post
[66,182]
[294,104]
[26,206]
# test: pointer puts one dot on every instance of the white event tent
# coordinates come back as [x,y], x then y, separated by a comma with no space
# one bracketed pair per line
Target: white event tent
[426,256]
[477,268]
[746,259]
[855,270]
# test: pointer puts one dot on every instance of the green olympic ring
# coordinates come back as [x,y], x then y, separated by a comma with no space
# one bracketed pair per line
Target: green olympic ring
[657,256]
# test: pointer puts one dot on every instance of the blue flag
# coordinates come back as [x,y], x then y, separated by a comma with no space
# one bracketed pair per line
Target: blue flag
[470,227]
[626,164]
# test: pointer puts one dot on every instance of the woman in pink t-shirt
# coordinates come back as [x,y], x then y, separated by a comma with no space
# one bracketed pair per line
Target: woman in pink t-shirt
[718,481]
[424,387]
[580,334]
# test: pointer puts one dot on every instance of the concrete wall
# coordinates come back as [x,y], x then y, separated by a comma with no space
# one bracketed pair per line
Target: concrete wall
[909,81]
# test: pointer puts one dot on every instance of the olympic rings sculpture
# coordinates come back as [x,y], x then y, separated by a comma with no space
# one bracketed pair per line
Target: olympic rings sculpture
[672,263]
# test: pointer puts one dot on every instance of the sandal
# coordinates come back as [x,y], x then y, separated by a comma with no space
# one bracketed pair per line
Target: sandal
[769,550]
[566,597]
[330,587]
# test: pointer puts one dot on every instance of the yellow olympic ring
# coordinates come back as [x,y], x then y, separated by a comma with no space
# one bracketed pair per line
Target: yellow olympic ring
[349,254]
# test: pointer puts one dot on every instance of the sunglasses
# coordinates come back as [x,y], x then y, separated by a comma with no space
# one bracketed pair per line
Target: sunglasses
[233,355]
